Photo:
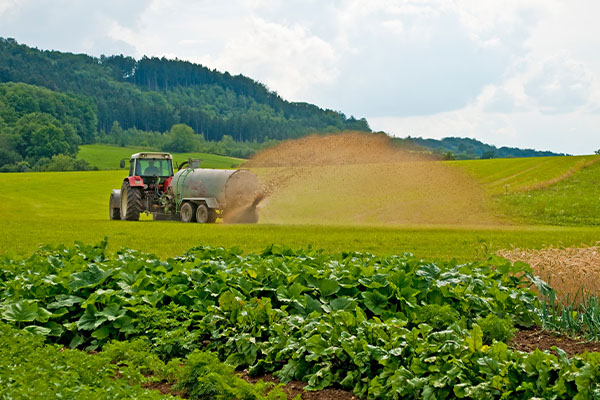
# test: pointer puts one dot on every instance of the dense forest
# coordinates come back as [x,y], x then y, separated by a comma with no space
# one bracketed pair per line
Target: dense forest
[153,94]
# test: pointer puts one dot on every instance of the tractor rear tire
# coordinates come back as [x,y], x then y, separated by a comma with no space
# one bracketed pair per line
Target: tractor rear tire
[113,213]
[131,202]
[202,214]
[187,212]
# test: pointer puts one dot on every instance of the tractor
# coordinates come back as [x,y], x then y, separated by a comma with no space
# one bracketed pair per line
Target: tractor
[193,194]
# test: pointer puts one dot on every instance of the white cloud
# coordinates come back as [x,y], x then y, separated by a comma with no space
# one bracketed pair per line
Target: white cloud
[560,84]
[509,72]
[288,59]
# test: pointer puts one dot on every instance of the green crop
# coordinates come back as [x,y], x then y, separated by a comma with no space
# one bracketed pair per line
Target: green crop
[384,327]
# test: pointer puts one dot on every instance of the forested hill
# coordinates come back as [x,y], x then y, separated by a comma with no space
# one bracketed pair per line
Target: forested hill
[153,94]
[469,149]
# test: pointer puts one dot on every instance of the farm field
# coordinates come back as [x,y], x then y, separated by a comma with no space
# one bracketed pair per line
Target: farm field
[107,157]
[57,207]
[396,324]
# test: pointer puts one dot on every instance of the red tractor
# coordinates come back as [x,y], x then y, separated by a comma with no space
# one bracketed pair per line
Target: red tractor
[150,175]
[193,194]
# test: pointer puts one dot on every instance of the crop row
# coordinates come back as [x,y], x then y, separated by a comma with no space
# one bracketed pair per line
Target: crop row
[384,327]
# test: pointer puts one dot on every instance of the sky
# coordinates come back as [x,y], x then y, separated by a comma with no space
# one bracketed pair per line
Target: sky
[520,73]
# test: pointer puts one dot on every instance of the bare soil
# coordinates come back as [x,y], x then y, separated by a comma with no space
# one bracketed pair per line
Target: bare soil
[528,340]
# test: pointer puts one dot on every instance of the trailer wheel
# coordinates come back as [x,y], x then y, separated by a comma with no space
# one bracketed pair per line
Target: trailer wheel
[187,212]
[131,203]
[202,214]
[113,213]
[212,215]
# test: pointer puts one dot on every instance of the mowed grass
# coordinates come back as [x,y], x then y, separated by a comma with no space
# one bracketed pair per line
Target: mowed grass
[107,157]
[572,201]
[63,207]
[545,190]
[508,175]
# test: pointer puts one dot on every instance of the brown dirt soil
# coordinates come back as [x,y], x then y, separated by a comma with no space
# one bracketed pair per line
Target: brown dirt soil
[572,272]
[363,179]
[530,339]
[295,388]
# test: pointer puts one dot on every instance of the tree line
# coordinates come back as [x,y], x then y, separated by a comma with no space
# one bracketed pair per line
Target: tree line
[153,94]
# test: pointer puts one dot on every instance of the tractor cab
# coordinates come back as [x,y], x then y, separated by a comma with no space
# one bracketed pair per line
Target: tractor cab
[151,167]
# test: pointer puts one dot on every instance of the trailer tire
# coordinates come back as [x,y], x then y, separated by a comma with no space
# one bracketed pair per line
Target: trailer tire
[202,214]
[131,203]
[212,215]
[187,213]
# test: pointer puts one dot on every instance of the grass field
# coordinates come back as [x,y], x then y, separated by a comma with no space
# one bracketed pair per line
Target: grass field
[107,157]
[508,175]
[59,207]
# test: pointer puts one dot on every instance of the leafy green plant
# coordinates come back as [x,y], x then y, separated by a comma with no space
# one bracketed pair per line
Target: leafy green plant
[204,377]
[496,329]
[384,327]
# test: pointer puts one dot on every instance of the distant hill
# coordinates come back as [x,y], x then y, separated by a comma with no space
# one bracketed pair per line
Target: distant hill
[469,149]
[152,94]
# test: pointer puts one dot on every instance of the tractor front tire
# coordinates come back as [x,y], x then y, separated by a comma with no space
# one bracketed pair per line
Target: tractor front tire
[131,202]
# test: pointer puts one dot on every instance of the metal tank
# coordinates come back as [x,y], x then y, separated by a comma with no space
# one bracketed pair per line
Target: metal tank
[233,194]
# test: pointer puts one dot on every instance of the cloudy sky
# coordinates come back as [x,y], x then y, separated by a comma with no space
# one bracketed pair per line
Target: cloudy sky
[511,73]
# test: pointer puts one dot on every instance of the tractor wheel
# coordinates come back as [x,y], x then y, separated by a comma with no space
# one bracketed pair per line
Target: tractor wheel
[212,216]
[131,202]
[202,214]
[187,212]
[113,213]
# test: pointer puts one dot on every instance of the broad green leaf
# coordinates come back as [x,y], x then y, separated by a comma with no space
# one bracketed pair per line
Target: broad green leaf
[111,312]
[64,301]
[327,287]
[375,301]
[21,311]
[38,330]
[92,277]
[341,303]
[475,340]
[101,333]
[76,341]
[312,304]
[90,319]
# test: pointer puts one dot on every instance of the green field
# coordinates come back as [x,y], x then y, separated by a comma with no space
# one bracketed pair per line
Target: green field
[142,312]
[508,175]
[107,157]
[64,207]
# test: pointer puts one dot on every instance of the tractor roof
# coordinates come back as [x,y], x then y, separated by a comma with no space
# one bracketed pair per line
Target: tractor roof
[165,156]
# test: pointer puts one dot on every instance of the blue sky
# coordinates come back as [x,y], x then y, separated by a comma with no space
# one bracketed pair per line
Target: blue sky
[510,73]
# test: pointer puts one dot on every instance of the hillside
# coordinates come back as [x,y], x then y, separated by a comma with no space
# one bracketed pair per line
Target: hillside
[152,94]
[107,157]
[470,149]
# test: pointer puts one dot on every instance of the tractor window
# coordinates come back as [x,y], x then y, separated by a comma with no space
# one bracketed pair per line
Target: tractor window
[151,167]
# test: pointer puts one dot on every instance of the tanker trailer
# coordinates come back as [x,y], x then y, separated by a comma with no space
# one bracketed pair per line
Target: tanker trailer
[202,195]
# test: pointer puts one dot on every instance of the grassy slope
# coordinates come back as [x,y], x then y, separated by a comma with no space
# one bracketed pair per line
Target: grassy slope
[107,157]
[573,201]
[64,207]
[547,190]
[502,175]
